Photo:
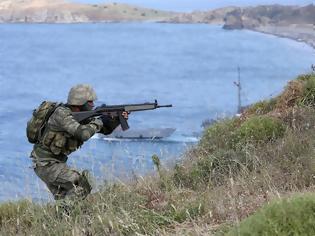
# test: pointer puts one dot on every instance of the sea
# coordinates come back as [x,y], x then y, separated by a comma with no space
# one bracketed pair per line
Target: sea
[194,67]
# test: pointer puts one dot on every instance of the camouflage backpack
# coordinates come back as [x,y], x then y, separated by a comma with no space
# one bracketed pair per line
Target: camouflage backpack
[36,125]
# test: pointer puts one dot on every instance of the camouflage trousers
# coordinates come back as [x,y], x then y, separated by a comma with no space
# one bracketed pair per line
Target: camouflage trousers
[62,181]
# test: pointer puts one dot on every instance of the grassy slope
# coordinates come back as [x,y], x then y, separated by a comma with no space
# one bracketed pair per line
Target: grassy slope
[118,11]
[239,165]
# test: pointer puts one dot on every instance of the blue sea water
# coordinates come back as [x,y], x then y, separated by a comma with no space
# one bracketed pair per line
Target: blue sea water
[191,66]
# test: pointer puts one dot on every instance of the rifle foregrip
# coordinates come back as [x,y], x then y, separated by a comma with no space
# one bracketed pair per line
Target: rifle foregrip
[123,122]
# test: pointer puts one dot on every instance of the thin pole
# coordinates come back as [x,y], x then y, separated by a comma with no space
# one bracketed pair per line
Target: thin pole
[239,89]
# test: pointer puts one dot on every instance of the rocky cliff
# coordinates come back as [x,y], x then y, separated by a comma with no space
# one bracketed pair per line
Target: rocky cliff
[293,22]
[275,15]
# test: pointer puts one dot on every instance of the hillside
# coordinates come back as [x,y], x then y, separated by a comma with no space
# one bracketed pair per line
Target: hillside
[60,11]
[276,15]
[216,16]
[295,22]
[265,157]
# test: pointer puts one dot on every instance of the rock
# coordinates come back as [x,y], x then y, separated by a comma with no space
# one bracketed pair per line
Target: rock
[233,20]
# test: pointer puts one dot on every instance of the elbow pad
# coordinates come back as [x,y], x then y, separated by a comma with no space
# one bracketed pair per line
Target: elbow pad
[84,132]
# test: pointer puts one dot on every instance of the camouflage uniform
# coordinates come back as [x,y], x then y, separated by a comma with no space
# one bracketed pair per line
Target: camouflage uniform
[62,136]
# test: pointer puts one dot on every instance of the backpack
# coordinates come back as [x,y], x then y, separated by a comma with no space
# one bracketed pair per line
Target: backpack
[36,125]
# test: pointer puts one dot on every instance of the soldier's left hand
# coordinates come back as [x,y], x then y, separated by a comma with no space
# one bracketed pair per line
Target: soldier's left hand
[125,114]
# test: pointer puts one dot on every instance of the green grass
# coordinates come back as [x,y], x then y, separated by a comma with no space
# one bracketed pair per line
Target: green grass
[220,135]
[308,97]
[262,107]
[260,129]
[292,216]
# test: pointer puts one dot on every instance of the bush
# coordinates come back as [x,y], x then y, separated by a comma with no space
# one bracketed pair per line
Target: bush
[220,135]
[227,135]
[212,169]
[260,129]
[308,96]
[224,151]
[262,107]
[196,176]
[293,216]
[305,77]
[290,96]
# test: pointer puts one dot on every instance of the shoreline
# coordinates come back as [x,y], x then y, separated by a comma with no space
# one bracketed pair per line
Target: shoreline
[300,37]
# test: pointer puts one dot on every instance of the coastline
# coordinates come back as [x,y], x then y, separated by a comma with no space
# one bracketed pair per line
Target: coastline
[297,33]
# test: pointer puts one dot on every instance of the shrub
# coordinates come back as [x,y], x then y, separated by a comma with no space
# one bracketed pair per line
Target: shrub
[308,96]
[220,135]
[260,129]
[262,107]
[305,77]
[293,216]
[212,169]
[224,150]
[290,96]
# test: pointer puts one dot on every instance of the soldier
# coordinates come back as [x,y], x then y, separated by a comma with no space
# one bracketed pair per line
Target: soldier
[63,135]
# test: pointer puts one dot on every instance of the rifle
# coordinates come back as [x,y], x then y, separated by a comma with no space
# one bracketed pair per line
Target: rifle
[116,110]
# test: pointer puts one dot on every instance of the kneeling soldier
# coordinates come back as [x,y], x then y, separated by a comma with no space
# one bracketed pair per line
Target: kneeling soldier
[62,135]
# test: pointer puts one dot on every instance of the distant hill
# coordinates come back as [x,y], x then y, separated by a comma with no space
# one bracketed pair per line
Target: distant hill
[216,16]
[237,17]
[60,11]
[276,15]
[293,22]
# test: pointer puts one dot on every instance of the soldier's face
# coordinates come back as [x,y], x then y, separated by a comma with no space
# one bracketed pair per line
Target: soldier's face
[88,106]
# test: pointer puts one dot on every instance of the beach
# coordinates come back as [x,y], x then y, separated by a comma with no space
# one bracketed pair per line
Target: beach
[301,33]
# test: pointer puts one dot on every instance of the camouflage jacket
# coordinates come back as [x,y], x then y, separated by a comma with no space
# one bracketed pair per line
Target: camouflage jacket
[63,135]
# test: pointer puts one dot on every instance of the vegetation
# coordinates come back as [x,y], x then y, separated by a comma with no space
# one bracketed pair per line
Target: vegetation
[260,129]
[293,216]
[262,107]
[239,165]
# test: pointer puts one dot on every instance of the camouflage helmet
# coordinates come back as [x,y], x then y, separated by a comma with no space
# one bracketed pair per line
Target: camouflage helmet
[80,94]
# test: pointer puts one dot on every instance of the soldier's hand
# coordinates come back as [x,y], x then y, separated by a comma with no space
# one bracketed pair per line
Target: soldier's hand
[125,114]
[105,119]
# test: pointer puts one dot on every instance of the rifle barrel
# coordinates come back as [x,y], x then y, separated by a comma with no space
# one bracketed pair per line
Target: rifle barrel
[170,105]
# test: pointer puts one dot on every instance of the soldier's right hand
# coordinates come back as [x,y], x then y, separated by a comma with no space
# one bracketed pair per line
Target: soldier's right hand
[105,119]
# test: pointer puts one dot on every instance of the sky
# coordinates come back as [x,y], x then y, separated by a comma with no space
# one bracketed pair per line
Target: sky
[191,5]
